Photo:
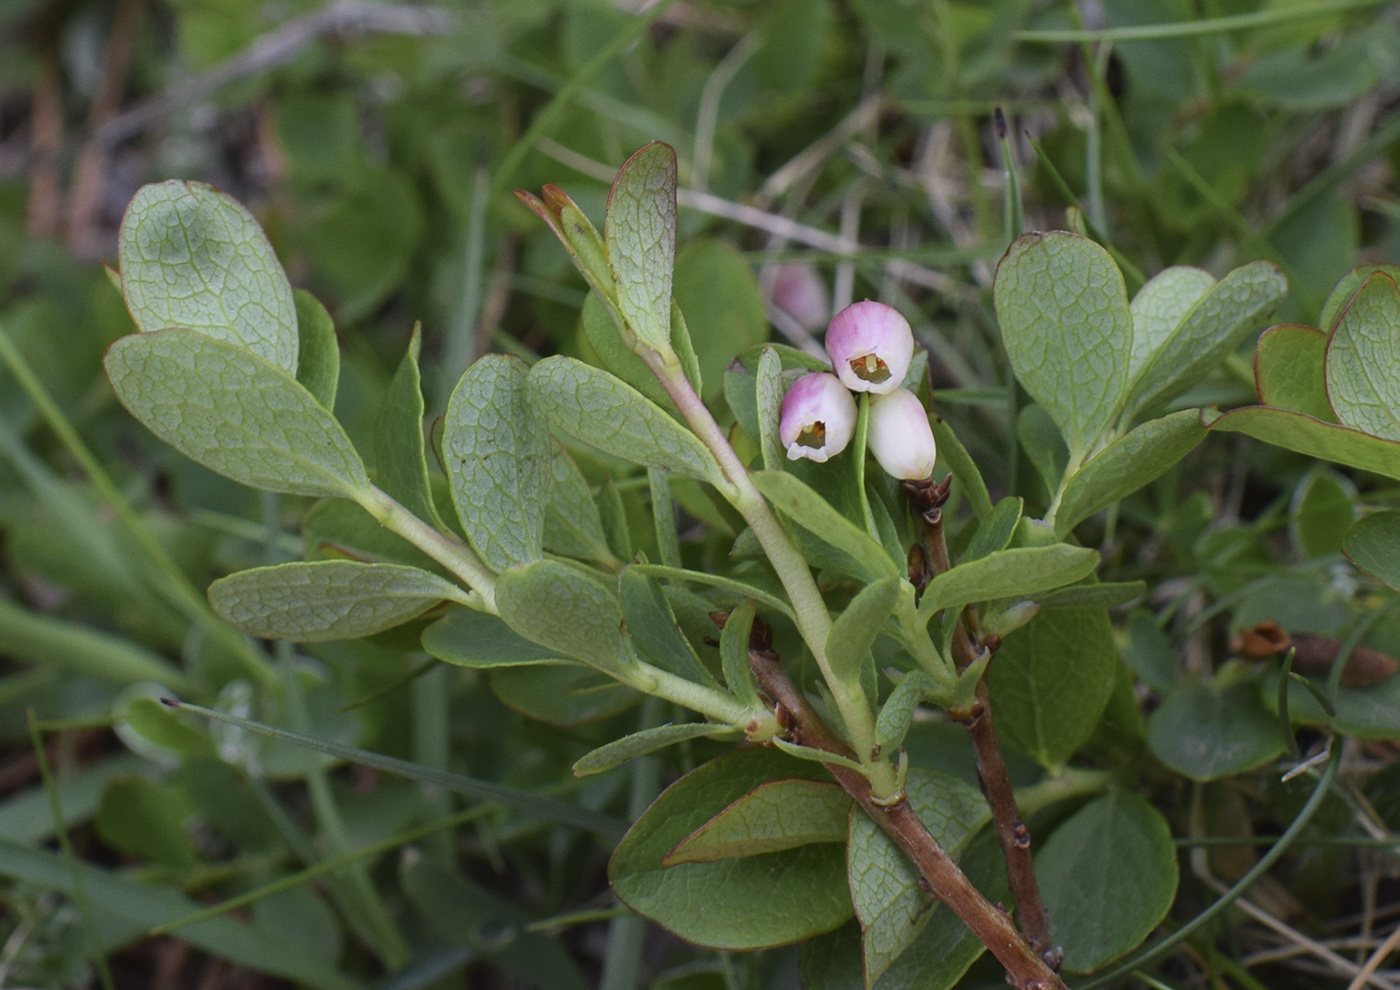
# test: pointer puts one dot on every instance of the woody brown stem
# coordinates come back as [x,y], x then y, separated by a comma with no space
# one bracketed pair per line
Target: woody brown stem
[1024,966]
[991,766]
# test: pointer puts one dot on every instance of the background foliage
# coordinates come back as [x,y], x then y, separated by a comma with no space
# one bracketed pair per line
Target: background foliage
[377,145]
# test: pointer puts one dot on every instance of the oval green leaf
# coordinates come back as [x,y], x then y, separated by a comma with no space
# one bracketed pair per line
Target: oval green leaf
[234,412]
[1064,317]
[1017,572]
[1126,465]
[778,815]
[602,411]
[1207,733]
[566,608]
[1363,360]
[1306,435]
[470,638]
[1108,877]
[804,506]
[1051,681]
[1373,544]
[497,452]
[749,902]
[315,601]
[192,257]
[619,751]
[1160,306]
[1288,362]
[641,241]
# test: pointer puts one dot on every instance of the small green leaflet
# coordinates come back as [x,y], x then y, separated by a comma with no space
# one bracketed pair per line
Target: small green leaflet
[327,599]
[778,815]
[641,242]
[234,412]
[194,258]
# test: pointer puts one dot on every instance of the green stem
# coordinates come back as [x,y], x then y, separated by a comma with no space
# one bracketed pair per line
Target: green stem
[451,553]
[176,587]
[1197,28]
[809,608]
[757,722]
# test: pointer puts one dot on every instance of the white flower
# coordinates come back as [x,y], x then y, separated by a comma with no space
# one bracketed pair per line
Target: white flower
[870,346]
[900,436]
[818,417]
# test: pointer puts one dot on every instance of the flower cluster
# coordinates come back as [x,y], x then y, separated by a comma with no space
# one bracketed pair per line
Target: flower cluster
[870,346]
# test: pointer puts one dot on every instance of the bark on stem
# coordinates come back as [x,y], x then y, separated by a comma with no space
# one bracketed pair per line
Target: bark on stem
[991,766]
[1024,966]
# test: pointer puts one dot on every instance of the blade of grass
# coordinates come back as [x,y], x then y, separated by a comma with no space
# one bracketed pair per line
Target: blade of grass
[510,797]
[1197,28]
[80,897]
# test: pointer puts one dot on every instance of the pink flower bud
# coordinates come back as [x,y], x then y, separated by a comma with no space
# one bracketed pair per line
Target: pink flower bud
[900,437]
[800,292]
[870,346]
[818,417]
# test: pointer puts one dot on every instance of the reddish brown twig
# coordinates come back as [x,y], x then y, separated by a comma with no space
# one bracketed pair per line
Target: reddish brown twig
[1015,839]
[1024,966]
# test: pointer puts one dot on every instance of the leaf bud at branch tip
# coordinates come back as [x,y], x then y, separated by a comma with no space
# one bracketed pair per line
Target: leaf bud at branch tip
[870,346]
[818,418]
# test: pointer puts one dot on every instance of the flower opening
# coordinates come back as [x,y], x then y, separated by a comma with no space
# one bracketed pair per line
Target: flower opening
[870,345]
[818,418]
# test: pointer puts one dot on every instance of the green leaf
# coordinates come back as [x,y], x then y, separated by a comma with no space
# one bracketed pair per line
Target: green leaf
[734,652]
[1108,876]
[889,903]
[777,815]
[572,525]
[192,257]
[813,513]
[600,333]
[1064,318]
[1288,363]
[897,713]
[400,453]
[1347,287]
[855,629]
[318,353]
[567,608]
[718,293]
[1208,732]
[470,638]
[1295,431]
[768,389]
[1322,509]
[153,730]
[619,751]
[568,695]
[1213,329]
[320,600]
[1107,594]
[1016,572]
[1127,464]
[1160,306]
[232,411]
[641,241]
[749,902]
[597,409]
[952,452]
[685,349]
[144,818]
[652,626]
[1372,543]
[1050,681]
[1358,712]
[498,454]
[1040,438]
[996,529]
[939,957]
[1363,360]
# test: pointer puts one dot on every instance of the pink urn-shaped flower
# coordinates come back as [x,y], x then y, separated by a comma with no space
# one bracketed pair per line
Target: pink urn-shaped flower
[900,436]
[870,346]
[818,417]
